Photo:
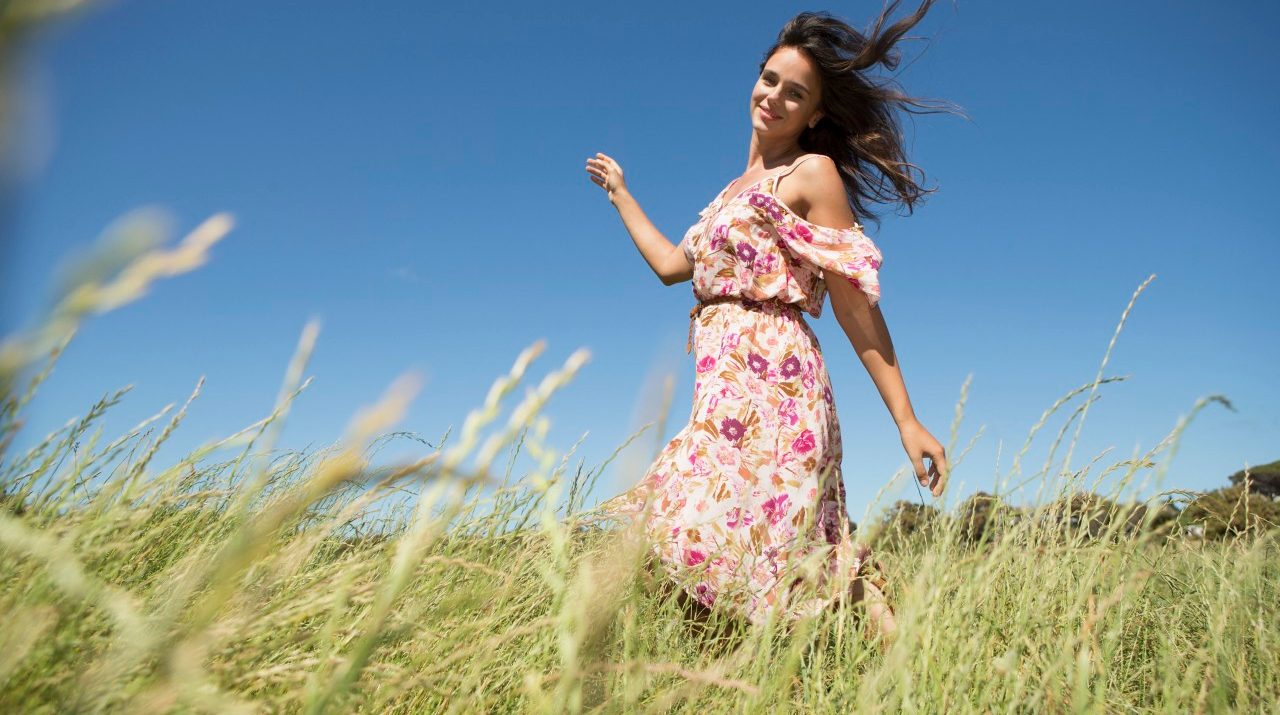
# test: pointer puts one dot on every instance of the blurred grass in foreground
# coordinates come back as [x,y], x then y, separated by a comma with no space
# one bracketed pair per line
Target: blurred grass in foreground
[244,578]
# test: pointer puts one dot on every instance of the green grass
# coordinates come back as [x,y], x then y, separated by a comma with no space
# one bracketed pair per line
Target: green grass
[243,578]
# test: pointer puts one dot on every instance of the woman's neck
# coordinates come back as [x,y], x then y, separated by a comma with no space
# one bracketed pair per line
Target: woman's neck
[765,157]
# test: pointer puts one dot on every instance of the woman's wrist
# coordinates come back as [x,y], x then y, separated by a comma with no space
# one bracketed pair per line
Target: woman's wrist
[617,196]
[905,421]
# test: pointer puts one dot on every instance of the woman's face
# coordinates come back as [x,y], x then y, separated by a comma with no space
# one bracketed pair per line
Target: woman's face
[786,96]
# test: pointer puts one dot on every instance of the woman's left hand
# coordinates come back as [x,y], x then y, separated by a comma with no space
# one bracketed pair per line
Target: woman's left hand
[920,444]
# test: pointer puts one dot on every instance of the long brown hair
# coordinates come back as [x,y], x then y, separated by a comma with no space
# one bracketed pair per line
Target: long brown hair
[859,127]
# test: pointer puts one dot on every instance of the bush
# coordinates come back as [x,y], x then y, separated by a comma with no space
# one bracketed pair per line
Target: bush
[1093,516]
[905,522]
[979,517]
[1232,512]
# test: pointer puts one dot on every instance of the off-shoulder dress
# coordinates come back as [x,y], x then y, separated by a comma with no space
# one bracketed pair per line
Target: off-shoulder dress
[747,501]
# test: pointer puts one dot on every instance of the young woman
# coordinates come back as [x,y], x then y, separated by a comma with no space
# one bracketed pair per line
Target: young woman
[746,504]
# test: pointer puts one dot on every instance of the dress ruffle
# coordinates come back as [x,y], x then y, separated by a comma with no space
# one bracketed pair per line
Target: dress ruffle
[846,252]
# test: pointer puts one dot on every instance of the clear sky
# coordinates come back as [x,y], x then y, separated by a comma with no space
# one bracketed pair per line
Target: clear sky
[412,174]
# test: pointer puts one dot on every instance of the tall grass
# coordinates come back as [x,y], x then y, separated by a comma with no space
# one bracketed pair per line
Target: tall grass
[246,578]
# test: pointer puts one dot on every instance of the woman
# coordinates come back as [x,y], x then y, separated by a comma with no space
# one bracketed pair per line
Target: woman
[746,504]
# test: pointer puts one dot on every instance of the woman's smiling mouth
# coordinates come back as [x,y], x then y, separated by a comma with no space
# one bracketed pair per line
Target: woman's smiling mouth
[767,114]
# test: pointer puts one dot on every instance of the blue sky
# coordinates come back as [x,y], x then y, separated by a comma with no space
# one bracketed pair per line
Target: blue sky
[412,175]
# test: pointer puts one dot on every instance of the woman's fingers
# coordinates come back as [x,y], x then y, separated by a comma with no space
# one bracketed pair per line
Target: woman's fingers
[600,162]
[917,463]
[938,472]
[921,446]
[603,160]
[598,171]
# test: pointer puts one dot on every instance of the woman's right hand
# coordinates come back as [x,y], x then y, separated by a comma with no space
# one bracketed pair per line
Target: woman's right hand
[606,174]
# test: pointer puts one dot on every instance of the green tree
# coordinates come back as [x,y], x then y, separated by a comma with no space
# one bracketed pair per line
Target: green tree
[1263,479]
[1232,511]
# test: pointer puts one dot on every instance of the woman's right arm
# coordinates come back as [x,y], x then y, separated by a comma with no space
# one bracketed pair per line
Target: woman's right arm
[666,259]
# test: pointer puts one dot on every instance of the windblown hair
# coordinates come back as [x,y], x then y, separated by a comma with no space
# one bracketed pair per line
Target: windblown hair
[859,127]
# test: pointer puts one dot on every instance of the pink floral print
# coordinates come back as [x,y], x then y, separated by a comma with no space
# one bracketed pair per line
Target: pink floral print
[751,487]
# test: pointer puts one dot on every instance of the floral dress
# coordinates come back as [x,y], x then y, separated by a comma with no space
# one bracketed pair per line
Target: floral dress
[747,500]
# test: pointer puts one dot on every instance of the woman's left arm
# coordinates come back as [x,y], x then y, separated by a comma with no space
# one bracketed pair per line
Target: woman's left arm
[870,338]
[824,202]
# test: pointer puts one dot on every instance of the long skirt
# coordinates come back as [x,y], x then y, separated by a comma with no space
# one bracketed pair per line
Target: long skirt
[745,506]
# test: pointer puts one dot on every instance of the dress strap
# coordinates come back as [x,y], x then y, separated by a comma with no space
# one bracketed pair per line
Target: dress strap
[773,180]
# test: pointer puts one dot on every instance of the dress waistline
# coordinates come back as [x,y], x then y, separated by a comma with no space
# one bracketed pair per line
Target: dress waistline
[747,302]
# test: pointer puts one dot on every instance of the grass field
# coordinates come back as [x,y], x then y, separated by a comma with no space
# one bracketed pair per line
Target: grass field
[244,578]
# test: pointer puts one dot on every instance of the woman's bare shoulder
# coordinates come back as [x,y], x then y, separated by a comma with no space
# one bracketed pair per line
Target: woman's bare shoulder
[815,186]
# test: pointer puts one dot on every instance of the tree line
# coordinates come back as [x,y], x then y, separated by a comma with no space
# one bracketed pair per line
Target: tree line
[1248,506]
